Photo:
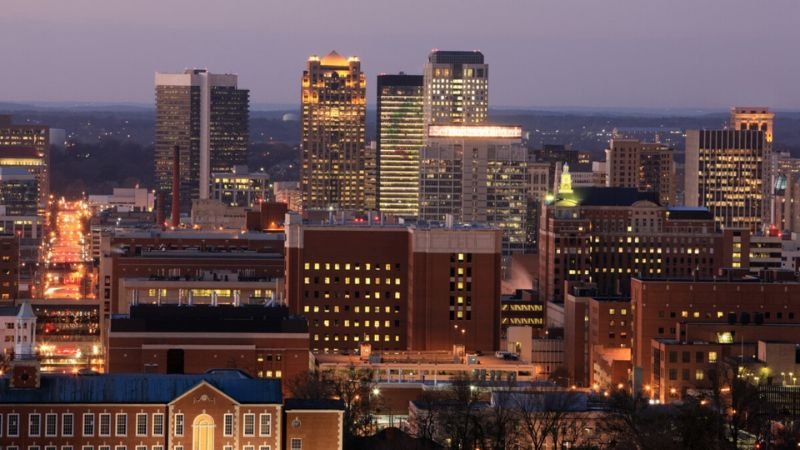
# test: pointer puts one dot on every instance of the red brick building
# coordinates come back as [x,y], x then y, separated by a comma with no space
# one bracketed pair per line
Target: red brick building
[673,319]
[394,286]
[607,235]
[264,342]
[186,261]
[225,410]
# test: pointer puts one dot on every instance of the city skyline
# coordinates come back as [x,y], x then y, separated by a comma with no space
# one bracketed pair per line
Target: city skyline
[675,55]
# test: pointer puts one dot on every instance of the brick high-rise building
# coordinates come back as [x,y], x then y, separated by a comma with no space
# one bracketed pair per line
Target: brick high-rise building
[207,116]
[642,165]
[456,88]
[332,160]
[727,171]
[395,287]
[401,134]
[607,235]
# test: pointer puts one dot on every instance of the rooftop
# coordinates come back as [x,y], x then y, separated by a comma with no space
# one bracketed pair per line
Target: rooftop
[606,196]
[139,388]
[455,57]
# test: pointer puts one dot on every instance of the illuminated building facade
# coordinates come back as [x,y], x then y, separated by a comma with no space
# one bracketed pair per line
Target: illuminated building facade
[456,88]
[207,116]
[333,98]
[13,138]
[727,171]
[642,165]
[393,286]
[400,136]
[756,118]
[607,235]
[240,187]
[476,174]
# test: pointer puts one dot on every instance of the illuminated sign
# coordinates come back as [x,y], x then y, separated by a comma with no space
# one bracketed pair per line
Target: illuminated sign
[451,131]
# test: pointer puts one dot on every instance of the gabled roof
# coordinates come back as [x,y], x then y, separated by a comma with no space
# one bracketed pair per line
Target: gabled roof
[139,388]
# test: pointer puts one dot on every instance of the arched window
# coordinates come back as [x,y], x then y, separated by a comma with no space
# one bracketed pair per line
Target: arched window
[203,432]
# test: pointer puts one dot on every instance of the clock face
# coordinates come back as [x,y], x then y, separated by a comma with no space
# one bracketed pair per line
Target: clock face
[296,422]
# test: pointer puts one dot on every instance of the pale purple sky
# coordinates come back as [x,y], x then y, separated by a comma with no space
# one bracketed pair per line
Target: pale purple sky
[542,53]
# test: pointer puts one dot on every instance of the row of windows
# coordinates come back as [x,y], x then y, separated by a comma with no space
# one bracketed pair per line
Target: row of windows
[349,266]
[248,425]
[357,309]
[356,294]
[354,280]
[90,427]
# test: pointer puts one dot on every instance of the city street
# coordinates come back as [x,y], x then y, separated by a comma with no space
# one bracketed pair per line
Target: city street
[66,275]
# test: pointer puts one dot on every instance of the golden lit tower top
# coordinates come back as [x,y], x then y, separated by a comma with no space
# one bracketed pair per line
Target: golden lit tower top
[333,159]
[753,118]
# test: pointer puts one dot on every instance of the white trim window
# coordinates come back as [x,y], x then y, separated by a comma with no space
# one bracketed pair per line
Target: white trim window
[87,447]
[227,425]
[158,424]
[249,428]
[105,425]
[141,447]
[141,425]
[121,428]
[12,425]
[265,447]
[34,424]
[88,424]
[265,424]
[67,425]
[296,444]
[50,424]
[178,425]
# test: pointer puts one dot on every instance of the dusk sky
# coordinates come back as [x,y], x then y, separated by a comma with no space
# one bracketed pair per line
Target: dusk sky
[542,53]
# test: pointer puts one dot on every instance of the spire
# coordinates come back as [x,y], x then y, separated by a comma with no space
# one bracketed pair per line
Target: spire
[25,332]
[26,311]
[566,181]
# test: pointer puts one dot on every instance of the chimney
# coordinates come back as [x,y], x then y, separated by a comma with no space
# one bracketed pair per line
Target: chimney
[161,209]
[176,186]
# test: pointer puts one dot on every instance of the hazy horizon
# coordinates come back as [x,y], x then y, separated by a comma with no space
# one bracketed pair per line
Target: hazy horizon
[619,54]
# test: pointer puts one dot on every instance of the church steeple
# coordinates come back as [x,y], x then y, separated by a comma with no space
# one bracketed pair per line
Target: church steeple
[25,332]
[566,181]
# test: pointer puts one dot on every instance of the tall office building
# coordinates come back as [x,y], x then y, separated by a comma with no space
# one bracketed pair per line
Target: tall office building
[477,174]
[333,173]
[207,116]
[37,137]
[456,88]
[643,165]
[727,171]
[400,136]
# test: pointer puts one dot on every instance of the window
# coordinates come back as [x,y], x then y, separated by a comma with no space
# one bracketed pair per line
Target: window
[122,424]
[227,421]
[249,447]
[122,447]
[297,444]
[34,424]
[141,424]
[158,424]
[157,447]
[104,447]
[699,375]
[265,425]
[88,424]
[50,424]
[66,447]
[141,447]
[178,425]
[264,447]
[712,357]
[105,424]
[227,447]
[67,424]
[87,447]
[249,425]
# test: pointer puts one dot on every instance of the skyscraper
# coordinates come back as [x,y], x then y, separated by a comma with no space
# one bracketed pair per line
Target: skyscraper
[207,116]
[753,118]
[400,136]
[727,172]
[36,137]
[643,165]
[333,133]
[477,174]
[456,88]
